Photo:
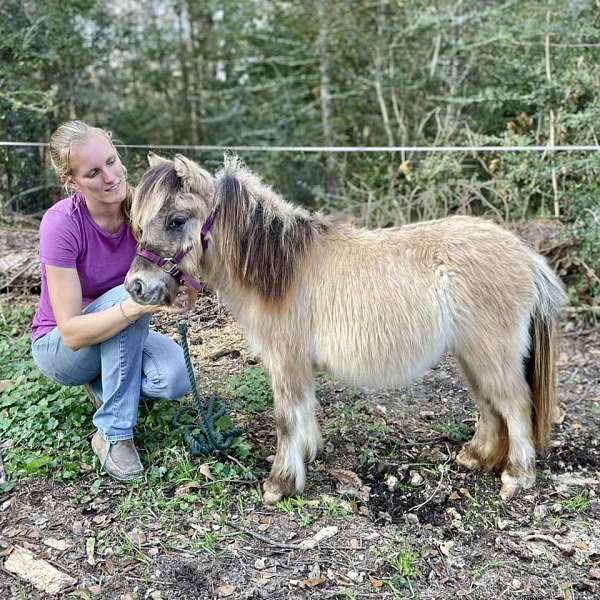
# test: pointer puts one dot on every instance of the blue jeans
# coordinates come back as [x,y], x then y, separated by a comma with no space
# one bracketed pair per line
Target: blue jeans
[137,361]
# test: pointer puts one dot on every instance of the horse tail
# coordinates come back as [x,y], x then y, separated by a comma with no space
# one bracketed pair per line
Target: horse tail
[540,365]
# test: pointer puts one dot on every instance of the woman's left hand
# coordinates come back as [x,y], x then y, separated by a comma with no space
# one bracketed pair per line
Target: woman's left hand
[185,300]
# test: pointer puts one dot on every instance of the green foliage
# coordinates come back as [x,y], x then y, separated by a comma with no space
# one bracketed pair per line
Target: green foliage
[263,73]
[578,503]
[251,390]
[456,431]
[404,566]
[46,425]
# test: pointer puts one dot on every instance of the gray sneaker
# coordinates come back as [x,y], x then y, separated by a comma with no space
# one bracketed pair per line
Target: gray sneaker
[119,459]
[87,388]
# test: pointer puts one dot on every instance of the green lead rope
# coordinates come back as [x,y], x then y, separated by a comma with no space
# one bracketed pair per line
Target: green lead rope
[201,436]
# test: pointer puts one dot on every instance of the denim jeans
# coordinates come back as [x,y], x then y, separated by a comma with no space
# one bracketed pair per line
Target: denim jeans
[137,361]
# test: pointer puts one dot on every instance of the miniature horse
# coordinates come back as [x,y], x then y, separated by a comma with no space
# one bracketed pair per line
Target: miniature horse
[375,308]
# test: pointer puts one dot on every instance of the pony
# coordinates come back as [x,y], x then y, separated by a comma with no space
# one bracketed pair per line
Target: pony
[374,308]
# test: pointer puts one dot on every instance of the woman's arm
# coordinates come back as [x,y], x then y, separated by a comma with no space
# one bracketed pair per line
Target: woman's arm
[77,330]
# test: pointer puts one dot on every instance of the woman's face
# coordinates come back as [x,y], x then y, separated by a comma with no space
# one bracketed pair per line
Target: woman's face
[97,171]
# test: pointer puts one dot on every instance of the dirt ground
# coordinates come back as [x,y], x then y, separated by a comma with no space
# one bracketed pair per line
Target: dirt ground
[393,490]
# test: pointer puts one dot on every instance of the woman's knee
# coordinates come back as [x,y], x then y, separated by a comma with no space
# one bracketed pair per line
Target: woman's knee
[177,381]
[108,299]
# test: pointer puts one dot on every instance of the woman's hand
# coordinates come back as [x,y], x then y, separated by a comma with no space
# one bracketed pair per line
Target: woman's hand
[132,310]
[184,302]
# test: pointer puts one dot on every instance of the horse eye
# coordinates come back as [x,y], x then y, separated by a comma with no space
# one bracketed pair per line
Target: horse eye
[177,221]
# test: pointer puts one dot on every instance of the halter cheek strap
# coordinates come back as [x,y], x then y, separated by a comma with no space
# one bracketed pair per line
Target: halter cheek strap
[170,264]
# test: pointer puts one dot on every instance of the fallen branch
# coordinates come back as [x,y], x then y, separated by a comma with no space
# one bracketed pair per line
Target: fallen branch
[566,549]
[264,538]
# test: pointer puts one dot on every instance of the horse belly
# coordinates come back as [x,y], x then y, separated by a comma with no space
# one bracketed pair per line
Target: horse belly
[375,362]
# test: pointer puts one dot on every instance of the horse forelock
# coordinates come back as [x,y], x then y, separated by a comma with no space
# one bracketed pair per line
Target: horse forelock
[157,185]
[263,239]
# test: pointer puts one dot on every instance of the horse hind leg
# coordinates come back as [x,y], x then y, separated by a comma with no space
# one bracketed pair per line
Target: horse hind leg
[298,434]
[510,447]
[487,450]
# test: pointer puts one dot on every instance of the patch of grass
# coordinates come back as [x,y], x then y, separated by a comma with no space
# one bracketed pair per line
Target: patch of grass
[208,543]
[251,390]
[297,507]
[404,566]
[456,431]
[336,507]
[578,503]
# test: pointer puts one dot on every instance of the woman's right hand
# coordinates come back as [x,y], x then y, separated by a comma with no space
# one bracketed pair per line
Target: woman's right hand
[134,311]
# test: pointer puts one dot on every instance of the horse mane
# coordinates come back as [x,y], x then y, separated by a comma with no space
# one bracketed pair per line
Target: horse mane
[262,239]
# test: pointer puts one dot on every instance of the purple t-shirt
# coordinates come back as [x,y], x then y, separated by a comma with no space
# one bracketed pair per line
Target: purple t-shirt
[70,238]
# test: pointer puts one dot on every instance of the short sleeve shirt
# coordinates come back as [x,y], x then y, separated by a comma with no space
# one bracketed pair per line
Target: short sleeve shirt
[70,238]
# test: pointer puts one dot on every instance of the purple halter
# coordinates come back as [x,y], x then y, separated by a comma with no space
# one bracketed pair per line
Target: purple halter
[170,264]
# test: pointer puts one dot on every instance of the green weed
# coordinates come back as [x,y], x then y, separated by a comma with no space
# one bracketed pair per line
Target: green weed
[46,425]
[456,431]
[251,390]
[578,503]
[404,566]
[296,506]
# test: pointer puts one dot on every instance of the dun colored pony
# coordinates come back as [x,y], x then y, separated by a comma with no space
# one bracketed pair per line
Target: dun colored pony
[373,308]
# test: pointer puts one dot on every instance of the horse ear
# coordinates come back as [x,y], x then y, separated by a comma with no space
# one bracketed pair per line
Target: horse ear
[190,173]
[154,159]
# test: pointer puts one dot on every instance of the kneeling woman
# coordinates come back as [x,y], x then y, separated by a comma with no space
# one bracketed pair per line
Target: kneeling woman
[87,330]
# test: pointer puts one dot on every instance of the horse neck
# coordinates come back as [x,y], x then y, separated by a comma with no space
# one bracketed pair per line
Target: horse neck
[260,246]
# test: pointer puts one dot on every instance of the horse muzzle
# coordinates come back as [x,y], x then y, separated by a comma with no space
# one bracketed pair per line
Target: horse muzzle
[150,285]
[147,292]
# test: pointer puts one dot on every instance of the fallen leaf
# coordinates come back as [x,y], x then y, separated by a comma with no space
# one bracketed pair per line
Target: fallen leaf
[101,519]
[82,593]
[346,477]
[137,536]
[205,470]
[465,492]
[581,545]
[186,488]
[376,583]
[226,590]
[314,582]
[445,548]
[109,566]
[595,573]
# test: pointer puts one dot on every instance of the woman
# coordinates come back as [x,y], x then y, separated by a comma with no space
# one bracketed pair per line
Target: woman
[87,330]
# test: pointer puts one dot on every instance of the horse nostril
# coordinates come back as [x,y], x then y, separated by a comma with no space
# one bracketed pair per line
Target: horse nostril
[137,288]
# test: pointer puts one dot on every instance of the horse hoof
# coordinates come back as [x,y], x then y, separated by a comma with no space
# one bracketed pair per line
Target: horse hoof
[466,459]
[511,484]
[507,491]
[272,493]
[270,498]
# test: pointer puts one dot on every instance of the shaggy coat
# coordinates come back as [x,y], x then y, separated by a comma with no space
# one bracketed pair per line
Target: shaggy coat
[373,308]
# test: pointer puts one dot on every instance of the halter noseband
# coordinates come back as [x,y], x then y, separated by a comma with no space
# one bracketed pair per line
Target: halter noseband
[170,264]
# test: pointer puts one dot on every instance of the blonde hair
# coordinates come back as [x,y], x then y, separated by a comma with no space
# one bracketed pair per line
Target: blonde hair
[64,139]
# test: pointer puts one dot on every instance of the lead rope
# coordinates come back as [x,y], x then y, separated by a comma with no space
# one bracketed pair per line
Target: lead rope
[208,438]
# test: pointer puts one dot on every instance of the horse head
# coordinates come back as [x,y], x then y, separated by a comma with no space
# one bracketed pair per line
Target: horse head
[171,207]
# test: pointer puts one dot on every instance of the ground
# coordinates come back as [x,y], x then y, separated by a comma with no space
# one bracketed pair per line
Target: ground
[386,511]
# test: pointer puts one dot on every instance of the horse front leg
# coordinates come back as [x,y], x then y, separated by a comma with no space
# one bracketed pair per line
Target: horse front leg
[298,435]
